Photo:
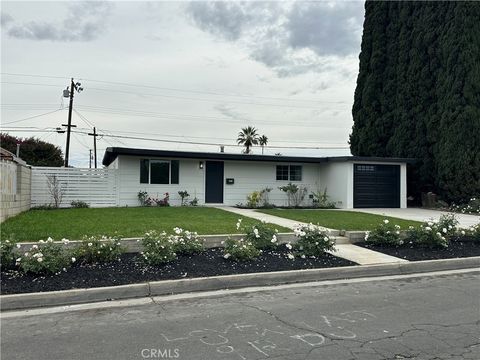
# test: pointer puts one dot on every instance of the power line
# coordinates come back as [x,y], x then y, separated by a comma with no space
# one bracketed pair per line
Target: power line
[215,93]
[199,143]
[22,83]
[31,117]
[183,97]
[209,100]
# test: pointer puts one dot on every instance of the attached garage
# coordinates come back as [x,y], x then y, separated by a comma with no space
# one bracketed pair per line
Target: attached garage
[376,186]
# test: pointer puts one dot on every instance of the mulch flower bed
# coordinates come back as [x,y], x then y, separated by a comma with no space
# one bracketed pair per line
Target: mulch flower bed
[457,248]
[132,269]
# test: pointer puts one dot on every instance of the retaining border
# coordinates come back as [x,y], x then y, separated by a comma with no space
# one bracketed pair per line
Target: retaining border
[169,287]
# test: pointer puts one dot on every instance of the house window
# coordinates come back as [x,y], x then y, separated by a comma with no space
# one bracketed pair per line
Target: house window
[282,172]
[159,171]
[289,172]
[365,167]
[295,173]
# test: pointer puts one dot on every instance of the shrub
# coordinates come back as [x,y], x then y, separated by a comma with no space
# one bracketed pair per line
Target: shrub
[184,196]
[240,250]
[79,204]
[94,249]
[143,198]
[186,242]
[158,248]
[295,194]
[385,234]
[473,231]
[262,237]
[313,240]
[253,199]
[164,201]
[321,200]
[427,235]
[471,207]
[44,207]
[259,198]
[7,256]
[47,257]
[194,202]
[447,224]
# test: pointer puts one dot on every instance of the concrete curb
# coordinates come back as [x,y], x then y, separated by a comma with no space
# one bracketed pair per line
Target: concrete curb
[134,245]
[168,287]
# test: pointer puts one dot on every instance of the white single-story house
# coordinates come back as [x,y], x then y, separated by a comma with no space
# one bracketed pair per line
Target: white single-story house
[223,178]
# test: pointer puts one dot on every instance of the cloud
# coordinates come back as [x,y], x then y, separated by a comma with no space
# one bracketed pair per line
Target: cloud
[230,112]
[290,38]
[225,19]
[5,19]
[326,28]
[85,22]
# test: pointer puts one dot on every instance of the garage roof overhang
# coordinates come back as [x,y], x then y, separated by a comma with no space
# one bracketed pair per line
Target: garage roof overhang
[112,153]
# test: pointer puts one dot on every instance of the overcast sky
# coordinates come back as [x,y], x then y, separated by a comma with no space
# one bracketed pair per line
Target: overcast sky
[182,71]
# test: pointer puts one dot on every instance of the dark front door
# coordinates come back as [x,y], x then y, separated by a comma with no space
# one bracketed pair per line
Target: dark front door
[376,186]
[214,182]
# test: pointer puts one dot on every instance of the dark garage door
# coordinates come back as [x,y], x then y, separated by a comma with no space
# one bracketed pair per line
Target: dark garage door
[376,186]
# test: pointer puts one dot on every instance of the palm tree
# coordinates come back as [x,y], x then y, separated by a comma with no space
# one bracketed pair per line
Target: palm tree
[262,141]
[248,137]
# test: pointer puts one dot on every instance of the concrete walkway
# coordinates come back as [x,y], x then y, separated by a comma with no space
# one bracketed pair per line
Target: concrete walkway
[363,256]
[418,214]
[291,224]
[345,250]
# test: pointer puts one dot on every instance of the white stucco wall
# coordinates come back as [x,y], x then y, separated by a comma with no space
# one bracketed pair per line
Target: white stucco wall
[252,176]
[191,178]
[337,178]
[248,176]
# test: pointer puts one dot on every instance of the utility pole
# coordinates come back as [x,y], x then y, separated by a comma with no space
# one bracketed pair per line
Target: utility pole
[67,93]
[94,134]
[90,158]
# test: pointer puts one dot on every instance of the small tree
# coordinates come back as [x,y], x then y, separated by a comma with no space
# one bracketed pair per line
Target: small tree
[56,189]
[262,141]
[248,137]
[295,194]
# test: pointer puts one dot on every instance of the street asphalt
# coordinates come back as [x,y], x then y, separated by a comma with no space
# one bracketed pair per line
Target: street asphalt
[424,317]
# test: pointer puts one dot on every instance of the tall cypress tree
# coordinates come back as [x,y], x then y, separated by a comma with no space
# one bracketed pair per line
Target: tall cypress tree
[418,93]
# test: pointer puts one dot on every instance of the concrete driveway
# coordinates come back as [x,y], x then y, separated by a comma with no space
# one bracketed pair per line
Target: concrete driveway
[423,214]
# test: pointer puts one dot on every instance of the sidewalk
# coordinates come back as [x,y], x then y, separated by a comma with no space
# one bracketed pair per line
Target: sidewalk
[417,214]
[346,251]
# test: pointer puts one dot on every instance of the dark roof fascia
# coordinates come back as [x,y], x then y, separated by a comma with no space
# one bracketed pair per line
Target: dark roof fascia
[111,154]
[371,159]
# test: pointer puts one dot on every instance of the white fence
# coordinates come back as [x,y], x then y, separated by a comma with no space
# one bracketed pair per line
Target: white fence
[96,187]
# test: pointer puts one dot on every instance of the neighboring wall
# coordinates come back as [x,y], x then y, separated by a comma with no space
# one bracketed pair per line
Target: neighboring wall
[15,188]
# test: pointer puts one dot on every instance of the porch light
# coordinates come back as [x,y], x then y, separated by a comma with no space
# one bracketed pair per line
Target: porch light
[200,164]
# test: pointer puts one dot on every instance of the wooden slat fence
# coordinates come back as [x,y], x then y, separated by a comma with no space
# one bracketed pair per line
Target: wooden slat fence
[96,187]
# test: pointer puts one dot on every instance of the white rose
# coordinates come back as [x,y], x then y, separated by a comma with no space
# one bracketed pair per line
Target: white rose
[289,247]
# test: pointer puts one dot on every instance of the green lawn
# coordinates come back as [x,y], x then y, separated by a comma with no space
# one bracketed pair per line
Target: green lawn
[336,219]
[128,222]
